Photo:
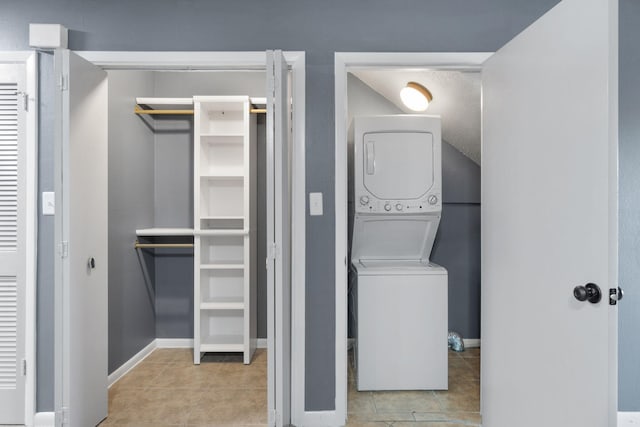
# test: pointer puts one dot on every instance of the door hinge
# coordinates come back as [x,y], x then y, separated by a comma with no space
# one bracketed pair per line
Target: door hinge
[25,100]
[63,83]
[274,251]
[63,249]
[24,367]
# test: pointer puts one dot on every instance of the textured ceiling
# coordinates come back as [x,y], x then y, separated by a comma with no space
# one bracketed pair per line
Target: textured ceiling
[456,98]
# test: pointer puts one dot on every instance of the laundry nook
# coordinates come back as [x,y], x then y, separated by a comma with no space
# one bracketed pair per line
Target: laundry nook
[399,298]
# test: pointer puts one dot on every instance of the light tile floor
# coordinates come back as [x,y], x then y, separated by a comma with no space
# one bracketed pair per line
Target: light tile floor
[167,389]
[456,407]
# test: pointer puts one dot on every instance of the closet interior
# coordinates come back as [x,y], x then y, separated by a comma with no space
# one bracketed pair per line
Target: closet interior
[186,211]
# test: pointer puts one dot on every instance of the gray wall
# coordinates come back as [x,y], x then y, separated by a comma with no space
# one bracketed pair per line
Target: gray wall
[320,29]
[46,245]
[457,245]
[151,184]
[629,315]
[131,202]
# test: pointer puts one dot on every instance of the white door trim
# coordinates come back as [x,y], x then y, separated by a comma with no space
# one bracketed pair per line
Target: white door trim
[30,61]
[236,61]
[345,61]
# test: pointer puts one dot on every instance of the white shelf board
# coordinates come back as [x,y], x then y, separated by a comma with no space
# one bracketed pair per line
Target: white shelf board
[223,217]
[226,232]
[164,101]
[222,266]
[222,177]
[230,303]
[258,101]
[230,139]
[221,343]
[211,135]
[221,172]
[161,231]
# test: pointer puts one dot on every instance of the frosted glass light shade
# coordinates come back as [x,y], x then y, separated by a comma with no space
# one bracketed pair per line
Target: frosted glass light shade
[415,96]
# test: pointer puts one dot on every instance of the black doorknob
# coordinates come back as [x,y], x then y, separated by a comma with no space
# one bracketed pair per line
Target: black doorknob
[590,292]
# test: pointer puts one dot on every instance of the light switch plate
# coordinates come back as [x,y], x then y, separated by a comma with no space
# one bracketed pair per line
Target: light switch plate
[48,203]
[315,204]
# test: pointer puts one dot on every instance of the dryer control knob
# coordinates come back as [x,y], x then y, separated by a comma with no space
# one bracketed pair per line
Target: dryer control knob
[399,206]
[433,199]
[364,200]
[387,207]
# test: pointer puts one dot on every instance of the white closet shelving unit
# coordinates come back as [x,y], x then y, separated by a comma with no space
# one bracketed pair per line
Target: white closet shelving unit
[224,226]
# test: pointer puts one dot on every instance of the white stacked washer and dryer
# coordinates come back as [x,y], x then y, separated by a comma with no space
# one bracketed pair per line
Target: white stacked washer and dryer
[400,297]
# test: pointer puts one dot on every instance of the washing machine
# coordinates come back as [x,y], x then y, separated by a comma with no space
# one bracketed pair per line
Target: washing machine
[400,298]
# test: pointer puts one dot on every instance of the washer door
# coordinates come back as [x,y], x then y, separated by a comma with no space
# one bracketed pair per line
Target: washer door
[398,165]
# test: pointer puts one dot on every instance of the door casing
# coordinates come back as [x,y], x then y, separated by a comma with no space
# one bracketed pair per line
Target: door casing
[240,61]
[345,62]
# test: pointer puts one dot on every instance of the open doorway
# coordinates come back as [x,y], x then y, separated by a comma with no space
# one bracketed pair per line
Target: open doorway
[169,167]
[456,104]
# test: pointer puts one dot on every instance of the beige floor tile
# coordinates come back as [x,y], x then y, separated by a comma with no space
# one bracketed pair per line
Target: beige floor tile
[462,396]
[381,416]
[460,370]
[260,356]
[474,363]
[235,375]
[159,406]
[142,375]
[356,423]
[360,401]
[471,418]
[472,352]
[182,376]
[162,355]
[230,407]
[405,401]
[429,424]
[454,354]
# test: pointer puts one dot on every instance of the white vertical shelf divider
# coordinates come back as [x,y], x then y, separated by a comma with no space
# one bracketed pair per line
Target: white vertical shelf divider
[224,226]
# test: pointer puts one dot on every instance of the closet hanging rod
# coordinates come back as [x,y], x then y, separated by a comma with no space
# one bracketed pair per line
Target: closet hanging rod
[139,245]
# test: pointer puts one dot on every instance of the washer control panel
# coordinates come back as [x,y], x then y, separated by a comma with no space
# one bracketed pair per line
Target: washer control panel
[366,203]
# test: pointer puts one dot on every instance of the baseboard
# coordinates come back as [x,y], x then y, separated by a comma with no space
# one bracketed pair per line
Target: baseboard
[261,343]
[471,342]
[44,419]
[628,419]
[174,342]
[131,363]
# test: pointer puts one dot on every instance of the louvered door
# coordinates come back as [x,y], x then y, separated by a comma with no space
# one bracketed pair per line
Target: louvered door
[12,221]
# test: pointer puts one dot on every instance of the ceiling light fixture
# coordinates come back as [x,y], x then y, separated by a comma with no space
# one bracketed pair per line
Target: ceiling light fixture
[415,96]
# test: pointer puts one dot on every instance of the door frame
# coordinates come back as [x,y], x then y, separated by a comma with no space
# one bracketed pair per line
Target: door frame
[345,62]
[29,60]
[114,60]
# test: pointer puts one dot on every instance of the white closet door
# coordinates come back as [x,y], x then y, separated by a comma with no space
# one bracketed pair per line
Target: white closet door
[278,239]
[549,221]
[12,242]
[81,233]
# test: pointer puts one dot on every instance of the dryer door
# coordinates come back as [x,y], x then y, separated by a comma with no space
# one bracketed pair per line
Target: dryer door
[398,165]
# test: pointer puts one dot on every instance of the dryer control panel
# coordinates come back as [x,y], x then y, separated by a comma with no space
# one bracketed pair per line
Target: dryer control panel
[431,203]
